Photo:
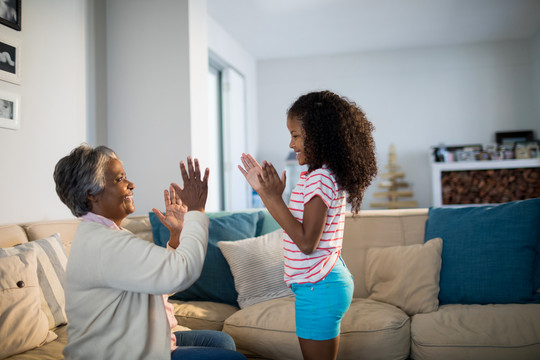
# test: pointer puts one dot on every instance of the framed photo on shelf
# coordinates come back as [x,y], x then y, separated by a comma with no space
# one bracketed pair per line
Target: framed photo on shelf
[512,137]
[10,60]
[10,13]
[9,110]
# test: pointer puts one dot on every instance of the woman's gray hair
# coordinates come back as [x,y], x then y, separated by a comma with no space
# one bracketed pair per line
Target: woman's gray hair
[80,174]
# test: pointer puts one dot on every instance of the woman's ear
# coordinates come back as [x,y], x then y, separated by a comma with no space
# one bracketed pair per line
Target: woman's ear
[92,198]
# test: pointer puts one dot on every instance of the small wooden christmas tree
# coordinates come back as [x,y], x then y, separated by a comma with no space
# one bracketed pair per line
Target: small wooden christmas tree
[393,183]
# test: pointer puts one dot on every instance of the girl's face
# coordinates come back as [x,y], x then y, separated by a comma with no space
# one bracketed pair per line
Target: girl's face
[116,201]
[297,139]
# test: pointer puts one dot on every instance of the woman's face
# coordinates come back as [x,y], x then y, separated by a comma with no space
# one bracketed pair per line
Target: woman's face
[116,201]
[297,139]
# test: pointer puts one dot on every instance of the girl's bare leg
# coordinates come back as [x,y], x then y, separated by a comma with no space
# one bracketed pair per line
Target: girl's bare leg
[319,349]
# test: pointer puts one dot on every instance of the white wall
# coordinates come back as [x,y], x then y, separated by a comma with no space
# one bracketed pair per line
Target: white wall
[416,98]
[228,50]
[536,71]
[53,113]
[157,65]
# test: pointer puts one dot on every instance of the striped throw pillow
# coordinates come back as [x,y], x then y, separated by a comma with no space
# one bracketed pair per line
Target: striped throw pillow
[257,267]
[51,272]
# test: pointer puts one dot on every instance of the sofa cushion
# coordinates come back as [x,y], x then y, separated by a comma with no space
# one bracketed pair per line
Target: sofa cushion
[50,351]
[257,267]
[51,270]
[405,276]
[265,225]
[471,332]
[202,315]
[369,330]
[11,235]
[488,253]
[216,282]
[42,229]
[378,228]
[23,325]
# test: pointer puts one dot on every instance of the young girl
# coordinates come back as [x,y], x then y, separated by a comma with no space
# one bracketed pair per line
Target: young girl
[333,137]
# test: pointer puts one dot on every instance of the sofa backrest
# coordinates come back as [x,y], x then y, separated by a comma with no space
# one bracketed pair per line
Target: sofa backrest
[14,234]
[368,229]
[11,235]
[379,228]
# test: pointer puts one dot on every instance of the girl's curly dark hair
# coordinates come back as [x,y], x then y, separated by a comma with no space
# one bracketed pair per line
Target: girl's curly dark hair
[338,134]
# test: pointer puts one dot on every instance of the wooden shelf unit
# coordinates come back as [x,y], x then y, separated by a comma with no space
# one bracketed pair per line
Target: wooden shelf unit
[437,168]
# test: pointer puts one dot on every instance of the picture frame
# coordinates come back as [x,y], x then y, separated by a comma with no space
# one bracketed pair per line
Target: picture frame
[512,137]
[10,117]
[10,14]
[10,59]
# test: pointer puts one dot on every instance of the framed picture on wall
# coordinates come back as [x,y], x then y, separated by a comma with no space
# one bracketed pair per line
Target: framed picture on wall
[10,59]
[9,110]
[10,13]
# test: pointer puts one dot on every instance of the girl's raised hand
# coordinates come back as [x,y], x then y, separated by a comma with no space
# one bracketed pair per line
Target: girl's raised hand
[195,190]
[251,171]
[270,182]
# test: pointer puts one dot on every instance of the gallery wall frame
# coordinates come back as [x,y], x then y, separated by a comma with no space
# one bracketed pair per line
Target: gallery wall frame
[10,104]
[10,13]
[10,59]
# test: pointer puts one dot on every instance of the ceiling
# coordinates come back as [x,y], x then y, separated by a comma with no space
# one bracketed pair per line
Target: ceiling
[292,28]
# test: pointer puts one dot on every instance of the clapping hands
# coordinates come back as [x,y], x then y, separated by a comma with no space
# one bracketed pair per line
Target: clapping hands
[195,190]
[174,211]
[263,179]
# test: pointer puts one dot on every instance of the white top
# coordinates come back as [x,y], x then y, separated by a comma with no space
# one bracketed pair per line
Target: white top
[299,267]
[114,286]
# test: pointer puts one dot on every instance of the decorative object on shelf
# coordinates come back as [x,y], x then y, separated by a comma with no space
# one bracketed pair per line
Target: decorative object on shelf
[10,13]
[393,183]
[451,153]
[521,151]
[534,150]
[10,59]
[511,137]
[9,110]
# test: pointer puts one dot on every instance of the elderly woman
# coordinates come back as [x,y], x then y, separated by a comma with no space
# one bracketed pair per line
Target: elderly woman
[116,283]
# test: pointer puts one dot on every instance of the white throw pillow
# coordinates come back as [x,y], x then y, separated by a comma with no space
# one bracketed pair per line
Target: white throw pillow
[23,325]
[257,267]
[405,276]
[51,271]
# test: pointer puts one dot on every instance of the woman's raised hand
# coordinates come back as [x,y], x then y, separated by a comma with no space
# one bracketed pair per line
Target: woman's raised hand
[195,190]
[174,211]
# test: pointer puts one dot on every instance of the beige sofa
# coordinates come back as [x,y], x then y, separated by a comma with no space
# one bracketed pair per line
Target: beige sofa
[392,327]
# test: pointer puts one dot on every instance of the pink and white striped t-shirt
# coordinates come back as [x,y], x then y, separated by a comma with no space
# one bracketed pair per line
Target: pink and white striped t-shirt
[299,267]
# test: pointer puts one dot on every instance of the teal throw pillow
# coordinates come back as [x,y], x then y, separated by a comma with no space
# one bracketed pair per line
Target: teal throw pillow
[266,224]
[216,282]
[489,253]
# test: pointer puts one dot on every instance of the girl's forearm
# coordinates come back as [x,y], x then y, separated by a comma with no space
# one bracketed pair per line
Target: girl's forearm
[295,229]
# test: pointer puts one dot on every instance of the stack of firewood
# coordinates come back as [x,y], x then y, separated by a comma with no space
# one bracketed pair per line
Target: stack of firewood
[489,186]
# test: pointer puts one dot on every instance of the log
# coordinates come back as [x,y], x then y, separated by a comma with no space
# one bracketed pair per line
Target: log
[489,186]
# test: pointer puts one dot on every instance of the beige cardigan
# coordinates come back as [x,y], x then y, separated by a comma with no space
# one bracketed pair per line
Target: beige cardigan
[114,282]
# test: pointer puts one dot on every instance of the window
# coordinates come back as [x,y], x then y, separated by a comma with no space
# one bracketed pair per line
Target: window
[215,200]
[228,189]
